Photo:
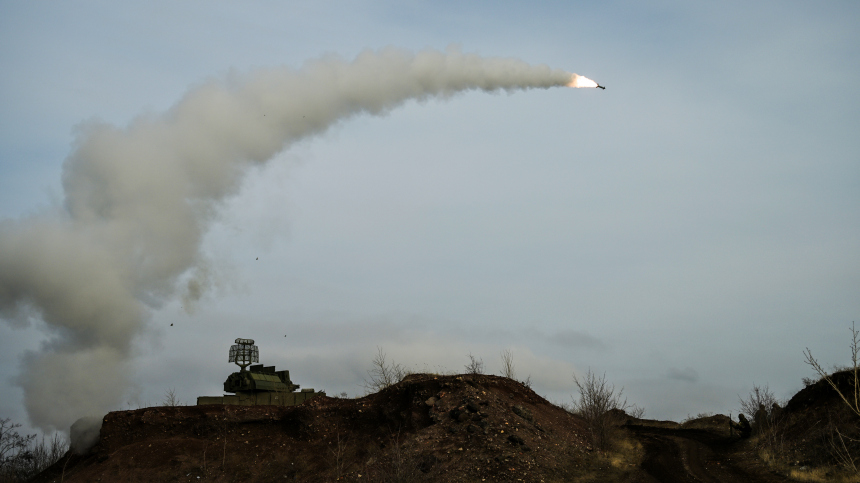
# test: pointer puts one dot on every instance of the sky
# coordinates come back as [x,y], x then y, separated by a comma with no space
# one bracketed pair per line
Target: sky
[687,232]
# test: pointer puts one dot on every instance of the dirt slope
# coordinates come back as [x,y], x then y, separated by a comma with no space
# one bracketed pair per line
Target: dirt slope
[809,422]
[680,455]
[426,428]
[433,428]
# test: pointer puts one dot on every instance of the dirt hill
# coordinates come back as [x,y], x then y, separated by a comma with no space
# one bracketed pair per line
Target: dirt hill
[807,427]
[434,428]
[449,428]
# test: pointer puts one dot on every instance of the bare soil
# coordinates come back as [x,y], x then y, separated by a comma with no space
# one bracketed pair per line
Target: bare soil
[425,428]
[697,455]
[430,428]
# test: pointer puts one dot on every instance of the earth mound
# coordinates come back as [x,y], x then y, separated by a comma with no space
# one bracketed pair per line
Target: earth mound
[425,428]
[817,426]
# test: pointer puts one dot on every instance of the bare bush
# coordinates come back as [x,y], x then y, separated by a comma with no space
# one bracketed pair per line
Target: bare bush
[170,399]
[566,406]
[508,364]
[11,443]
[771,435]
[475,365]
[339,454]
[635,411]
[597,400]
[527,382]
[22,457]
[767,423]
[402,466]
[383,373]
[839,448]
[758,405]
[852,400]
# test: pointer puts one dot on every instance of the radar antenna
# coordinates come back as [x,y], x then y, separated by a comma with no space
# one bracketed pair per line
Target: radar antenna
[244,353]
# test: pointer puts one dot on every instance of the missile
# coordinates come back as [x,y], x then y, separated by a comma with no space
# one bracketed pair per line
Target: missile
[601,87]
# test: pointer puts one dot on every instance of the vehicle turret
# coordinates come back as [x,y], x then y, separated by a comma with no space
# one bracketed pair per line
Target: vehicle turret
[258,384]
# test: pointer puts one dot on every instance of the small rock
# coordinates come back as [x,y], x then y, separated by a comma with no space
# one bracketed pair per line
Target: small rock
[523,413]
[516,439]
[430,402]
[458,414]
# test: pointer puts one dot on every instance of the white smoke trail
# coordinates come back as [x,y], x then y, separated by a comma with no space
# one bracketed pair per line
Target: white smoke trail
[138,201]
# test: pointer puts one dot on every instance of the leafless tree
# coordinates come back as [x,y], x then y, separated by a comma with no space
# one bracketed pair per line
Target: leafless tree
[508,364]
[759,397]
[637,412]
[339,453]
[475,365]
[12,447]
[852,400]
[839,448]
[170,399]
[383,373]
[399,465]
[527,382]
[22,457]
[597,398]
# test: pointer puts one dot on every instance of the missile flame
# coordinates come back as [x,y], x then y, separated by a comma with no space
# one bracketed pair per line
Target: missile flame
[577,80]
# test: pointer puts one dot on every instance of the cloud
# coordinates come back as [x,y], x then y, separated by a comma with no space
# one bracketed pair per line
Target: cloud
[576,339]
[687,374]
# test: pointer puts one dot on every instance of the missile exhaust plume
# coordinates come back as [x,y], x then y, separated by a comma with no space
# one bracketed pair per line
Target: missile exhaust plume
[580,81]
[138,200]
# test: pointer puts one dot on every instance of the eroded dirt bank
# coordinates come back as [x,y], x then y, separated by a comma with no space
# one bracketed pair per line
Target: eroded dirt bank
[430,428]
[425,428]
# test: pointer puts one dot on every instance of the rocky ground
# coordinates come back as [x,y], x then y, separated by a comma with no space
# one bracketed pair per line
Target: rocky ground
[425,428]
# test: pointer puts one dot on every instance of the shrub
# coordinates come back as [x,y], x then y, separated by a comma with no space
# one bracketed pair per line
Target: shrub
[759,397]
[839,441]
[508,364]
[383,373]
[22,457]
[475,365]
[596,404]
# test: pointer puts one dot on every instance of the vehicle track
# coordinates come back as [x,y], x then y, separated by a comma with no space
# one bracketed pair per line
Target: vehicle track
[690,455]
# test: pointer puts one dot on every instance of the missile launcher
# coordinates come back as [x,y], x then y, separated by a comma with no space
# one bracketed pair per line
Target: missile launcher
[258,384]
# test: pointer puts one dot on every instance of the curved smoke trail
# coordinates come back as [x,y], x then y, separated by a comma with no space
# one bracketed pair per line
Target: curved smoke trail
[139,199]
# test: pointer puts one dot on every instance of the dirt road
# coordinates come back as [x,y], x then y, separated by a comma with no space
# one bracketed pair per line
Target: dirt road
[690,455]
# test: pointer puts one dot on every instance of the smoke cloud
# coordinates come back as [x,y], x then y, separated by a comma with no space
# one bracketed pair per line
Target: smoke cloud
[138,200]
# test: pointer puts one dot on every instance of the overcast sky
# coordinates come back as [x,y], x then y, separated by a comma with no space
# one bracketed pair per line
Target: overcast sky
[688,231]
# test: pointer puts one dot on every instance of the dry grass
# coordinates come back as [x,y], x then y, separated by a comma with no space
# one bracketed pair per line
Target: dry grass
[627,453]
[615,464]
[715,423]
[821,475]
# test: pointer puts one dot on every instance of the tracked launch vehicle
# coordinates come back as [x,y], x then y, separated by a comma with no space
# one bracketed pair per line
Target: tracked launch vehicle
[258,384]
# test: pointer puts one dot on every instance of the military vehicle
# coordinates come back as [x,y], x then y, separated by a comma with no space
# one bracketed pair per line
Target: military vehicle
[258,384]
